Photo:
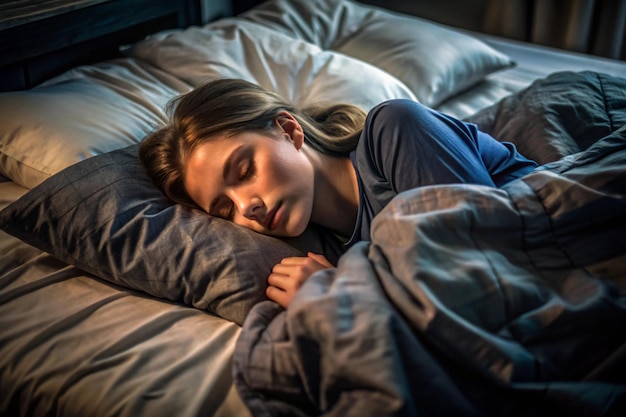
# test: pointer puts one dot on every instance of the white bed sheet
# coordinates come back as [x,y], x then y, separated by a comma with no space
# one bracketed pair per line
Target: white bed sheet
[532,62]
[74,345]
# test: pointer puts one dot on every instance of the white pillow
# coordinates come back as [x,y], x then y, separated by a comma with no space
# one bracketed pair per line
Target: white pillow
[84,112]
[434,61]
[320,22]
[297,70]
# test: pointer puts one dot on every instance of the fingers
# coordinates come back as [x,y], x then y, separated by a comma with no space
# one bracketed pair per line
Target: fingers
[281,281]
[300,260]
[279,296]
[281,287]
[294,260]
[287,276]
[321,259]
[298,269]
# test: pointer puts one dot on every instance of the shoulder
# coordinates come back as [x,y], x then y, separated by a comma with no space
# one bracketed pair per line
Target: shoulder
[394,111]
[395,120]
[379,137]
[391,124]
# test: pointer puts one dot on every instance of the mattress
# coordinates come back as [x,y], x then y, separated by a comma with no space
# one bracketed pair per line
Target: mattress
[531,63]
[74,344]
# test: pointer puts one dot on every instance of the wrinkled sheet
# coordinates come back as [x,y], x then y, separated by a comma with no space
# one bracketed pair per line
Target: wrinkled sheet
[73,345]
[468,301]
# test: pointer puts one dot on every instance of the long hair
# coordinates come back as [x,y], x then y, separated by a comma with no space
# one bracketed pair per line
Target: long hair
[232,106]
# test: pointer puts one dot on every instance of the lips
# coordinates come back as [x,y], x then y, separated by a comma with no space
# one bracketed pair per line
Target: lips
[272,219]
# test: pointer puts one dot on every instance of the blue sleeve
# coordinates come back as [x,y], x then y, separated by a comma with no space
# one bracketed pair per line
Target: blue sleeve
[411,145]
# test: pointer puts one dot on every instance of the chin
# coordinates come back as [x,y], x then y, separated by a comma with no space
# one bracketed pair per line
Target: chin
[295,231]
[295,224]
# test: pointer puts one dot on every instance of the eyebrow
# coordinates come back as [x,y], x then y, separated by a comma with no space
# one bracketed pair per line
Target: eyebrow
[225,171]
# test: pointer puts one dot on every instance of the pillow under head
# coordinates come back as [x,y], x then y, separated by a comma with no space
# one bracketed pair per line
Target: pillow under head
[105,216]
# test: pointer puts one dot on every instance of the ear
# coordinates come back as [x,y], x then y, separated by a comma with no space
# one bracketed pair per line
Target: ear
[288,124]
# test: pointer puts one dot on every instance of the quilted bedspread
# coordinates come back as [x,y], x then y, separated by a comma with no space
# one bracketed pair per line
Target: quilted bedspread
[468,301]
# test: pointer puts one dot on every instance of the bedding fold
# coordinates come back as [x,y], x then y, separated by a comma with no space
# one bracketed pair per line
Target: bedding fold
[468,300]
[465,293]
[559,115]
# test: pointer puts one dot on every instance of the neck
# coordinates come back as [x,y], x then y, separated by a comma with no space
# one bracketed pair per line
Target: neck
[336,200]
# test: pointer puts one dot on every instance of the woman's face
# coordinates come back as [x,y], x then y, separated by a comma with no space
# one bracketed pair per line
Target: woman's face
[261,181]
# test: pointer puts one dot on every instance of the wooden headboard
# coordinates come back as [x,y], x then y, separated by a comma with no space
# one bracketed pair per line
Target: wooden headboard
[42,38]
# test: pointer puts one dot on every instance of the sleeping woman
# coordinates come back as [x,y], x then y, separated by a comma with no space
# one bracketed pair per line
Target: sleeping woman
[242,153]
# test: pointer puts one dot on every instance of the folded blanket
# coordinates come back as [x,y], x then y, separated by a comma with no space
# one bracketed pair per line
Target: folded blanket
[468,301]
[559,115]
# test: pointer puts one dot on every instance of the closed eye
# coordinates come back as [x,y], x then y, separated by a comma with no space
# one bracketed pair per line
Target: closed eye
[248,170]
[222,206]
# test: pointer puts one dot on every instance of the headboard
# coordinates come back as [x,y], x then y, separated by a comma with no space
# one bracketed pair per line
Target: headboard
[40,39]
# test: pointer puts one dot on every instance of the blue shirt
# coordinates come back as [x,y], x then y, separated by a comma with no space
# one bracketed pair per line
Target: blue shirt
[406,145]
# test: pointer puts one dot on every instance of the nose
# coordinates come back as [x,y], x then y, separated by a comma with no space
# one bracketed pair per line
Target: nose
[249,206]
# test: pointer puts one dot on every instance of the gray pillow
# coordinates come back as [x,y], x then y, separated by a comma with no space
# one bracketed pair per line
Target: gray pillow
[105,216]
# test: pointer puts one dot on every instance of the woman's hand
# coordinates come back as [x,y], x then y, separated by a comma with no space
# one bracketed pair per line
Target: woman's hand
[290,273]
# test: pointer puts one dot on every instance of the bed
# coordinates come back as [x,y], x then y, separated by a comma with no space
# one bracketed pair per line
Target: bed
[114,301]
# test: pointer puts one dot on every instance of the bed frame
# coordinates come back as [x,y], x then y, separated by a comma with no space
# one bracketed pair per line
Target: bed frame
[40,39]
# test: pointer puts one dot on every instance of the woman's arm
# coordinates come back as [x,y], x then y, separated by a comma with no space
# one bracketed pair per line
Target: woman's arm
[416,146]
[405,145]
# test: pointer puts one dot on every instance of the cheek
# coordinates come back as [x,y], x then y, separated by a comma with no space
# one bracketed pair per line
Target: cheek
[290,171]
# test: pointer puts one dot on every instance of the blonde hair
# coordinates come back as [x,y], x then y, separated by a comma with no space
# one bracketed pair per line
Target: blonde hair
[232,106]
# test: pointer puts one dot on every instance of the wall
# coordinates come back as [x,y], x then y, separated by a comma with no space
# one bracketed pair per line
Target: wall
[595,27]
[214,9]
